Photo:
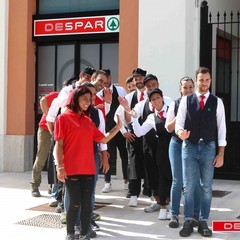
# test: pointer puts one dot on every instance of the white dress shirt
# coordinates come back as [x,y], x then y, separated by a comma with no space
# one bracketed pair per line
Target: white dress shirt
[140,106]
[148,124]
[220,114]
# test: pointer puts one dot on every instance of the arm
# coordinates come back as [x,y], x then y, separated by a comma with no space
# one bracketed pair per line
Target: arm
[44,105]
[104,163]
[61,174]
[50,126]
[221,125]
[171,118]
[145,127]
[112,132]
[180,120]
[101,127]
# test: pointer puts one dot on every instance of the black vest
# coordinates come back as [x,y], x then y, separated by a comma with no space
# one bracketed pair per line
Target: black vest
[95,118]
[150,138]
[110,123]
[201,122]
[132,105]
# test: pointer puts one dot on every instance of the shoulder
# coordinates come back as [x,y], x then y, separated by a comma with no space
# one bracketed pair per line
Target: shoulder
[167,100]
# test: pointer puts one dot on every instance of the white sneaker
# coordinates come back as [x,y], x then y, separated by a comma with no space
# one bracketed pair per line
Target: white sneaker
[107,188]
[125,186]
[53,203]
[133,201]
[162,214]
[154,207]
[169,215]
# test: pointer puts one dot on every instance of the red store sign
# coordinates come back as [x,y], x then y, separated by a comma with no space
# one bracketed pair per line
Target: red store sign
[72,26]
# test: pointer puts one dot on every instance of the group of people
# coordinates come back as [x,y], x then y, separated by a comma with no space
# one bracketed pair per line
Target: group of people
[167,148]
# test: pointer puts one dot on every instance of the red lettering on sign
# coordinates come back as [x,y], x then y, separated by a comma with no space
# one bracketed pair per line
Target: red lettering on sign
[226,226]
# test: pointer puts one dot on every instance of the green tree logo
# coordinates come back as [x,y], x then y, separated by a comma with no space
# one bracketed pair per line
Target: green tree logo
[113,24]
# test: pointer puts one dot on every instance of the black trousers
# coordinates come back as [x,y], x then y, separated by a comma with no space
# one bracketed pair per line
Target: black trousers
[80,190]
[117,142]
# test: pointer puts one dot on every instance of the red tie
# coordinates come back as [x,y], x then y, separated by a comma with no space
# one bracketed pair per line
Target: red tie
[202,101]
[160,114]
[142,96]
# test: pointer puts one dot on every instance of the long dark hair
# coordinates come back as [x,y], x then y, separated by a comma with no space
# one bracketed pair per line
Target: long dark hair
[74,105]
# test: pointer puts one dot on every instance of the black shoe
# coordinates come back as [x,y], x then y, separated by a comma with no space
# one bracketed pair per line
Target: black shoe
[128,195]
[203,229]
[35,192]
[94,226]
[195,223]
[187,229]
[174,222]
[91,233]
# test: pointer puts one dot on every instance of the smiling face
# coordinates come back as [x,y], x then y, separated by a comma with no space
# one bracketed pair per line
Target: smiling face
[138,81]
[156,101]
[84,101]
[187,87]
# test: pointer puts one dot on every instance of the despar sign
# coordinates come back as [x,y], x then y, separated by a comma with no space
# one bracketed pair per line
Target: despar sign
[226,226]
[72,26]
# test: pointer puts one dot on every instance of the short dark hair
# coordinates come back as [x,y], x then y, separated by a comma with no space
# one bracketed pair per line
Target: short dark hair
[156,90]
[203,70]
[129,79]
[100,72]
[79,91]
[88,84]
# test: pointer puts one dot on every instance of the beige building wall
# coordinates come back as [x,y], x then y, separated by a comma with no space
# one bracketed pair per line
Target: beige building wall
[128,39]
[18,141]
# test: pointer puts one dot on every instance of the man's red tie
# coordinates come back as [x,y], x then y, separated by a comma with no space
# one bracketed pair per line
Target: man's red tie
[160,114]
[202,101]
[142,96]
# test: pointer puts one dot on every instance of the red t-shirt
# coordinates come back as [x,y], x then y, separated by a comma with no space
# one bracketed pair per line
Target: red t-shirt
[49,97]
[78,134]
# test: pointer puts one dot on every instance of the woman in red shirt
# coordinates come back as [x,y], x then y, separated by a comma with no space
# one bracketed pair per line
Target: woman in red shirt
[74,136]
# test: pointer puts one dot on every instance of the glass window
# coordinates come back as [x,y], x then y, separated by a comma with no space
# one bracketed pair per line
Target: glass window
[46,71]
[64,6]
[65,63]
[110,59]
[89,56]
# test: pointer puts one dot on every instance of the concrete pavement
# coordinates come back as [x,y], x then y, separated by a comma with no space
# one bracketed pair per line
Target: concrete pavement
[118,220]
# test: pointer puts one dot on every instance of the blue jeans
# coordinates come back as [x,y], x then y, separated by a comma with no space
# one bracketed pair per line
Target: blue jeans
[198,168]
[175,156]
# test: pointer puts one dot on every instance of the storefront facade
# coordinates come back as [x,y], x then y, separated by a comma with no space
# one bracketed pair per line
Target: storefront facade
[160,36]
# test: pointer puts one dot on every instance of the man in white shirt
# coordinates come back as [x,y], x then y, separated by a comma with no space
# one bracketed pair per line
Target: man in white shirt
[118,141]
[201,124]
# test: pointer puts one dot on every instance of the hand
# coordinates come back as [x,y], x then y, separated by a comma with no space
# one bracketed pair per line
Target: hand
[99,106]
[104,163]
[218,161]
[129,136]
[61,175]
[107,96]
[123,102]
[183,134]
[133,113]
